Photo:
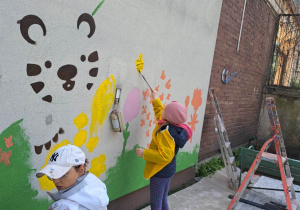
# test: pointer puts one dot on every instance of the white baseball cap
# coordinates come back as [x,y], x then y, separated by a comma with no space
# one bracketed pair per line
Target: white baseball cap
[62,160]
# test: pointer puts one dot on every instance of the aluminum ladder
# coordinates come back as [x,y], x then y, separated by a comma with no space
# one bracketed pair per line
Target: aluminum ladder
[224,143]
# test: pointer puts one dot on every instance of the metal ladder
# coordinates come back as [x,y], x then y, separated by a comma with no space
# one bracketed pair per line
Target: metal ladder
[224,144]
[280,158]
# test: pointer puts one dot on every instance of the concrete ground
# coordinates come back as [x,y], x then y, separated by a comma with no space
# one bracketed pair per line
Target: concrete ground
[211,193]
[207,194]
[266,196]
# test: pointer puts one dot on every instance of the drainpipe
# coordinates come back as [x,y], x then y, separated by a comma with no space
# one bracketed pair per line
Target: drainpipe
[238,46]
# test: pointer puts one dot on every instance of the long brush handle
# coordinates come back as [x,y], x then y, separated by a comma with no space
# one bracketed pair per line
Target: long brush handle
[146,81]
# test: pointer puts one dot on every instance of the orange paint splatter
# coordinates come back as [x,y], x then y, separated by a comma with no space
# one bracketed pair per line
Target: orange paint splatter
[163,76]
[142,123]
[168,84]
[145,94]
[161,97]
[187,101]
[154,121]
[196,103]
[164,97]
[197,99]
[144,109]
[148,146]
[8,141]
[168,97]
[4,157]
[194,121]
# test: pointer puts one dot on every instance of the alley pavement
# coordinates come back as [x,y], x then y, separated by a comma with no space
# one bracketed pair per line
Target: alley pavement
[211,193]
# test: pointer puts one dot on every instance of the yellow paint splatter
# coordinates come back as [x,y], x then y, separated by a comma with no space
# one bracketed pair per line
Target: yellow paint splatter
[45,183]
[81,120]
[139,63]
[80,138]
[98,166]
[101,105]
[92,143]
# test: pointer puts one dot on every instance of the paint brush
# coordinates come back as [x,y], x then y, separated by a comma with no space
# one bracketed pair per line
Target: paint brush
[139,67]
[146,81]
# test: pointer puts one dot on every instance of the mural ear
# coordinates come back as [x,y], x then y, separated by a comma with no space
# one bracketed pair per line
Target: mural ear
[90,20]
[25,24]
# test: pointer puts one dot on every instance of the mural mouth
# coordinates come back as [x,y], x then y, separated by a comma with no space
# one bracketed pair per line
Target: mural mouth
[38,148]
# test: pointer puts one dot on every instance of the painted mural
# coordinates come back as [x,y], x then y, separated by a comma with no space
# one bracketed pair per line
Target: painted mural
[59,70]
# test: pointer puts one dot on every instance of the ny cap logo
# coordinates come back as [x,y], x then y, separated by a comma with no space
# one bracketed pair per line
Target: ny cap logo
[54,156]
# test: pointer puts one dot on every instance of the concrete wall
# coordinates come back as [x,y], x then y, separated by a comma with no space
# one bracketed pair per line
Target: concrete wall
[60,64]
[240,99]
[288,109]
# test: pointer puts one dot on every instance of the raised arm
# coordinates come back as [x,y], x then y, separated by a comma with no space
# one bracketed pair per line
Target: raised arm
[158,107]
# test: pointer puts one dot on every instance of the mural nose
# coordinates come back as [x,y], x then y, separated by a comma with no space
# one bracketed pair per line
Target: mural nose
[67,72]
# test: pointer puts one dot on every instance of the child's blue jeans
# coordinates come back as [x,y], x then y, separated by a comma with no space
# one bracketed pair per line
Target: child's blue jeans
[159,188]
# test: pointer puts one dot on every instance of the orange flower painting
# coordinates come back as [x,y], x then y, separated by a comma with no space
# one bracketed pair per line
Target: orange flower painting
[165,97]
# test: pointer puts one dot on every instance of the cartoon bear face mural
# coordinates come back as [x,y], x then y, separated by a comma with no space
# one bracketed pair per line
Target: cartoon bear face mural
[56,78]
[61,68]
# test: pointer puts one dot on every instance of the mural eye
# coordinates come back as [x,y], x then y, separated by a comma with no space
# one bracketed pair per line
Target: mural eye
[48,64]
[25,24]
[90,20]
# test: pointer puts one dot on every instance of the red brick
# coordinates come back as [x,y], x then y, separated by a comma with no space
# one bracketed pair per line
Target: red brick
[239,105]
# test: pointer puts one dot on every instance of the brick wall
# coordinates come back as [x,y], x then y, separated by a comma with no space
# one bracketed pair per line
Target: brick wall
[240,99]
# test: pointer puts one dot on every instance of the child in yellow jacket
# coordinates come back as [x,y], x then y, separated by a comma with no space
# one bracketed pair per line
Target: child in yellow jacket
[168,136]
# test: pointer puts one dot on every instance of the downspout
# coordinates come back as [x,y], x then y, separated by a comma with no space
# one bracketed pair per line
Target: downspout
[237,50]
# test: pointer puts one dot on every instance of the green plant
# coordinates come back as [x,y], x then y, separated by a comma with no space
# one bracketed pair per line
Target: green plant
[236,154]
[295,83]
[210,167]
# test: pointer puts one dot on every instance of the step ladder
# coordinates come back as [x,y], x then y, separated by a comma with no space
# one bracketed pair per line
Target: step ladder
[280,158]
[224,144]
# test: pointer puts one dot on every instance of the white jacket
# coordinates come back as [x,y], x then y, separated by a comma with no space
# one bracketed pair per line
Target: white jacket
[88,192]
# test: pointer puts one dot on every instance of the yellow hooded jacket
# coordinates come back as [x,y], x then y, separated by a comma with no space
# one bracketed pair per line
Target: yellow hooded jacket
[162,146]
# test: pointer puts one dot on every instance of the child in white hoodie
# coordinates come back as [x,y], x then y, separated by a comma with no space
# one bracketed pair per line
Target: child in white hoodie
[77,188]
